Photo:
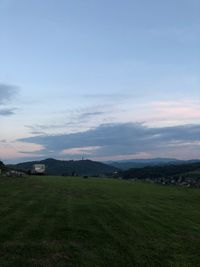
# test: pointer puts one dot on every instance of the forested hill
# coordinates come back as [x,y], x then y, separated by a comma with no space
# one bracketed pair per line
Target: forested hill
[161,171]
[60,167]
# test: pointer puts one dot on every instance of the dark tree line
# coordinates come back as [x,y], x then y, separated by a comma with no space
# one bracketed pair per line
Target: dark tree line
[160,171]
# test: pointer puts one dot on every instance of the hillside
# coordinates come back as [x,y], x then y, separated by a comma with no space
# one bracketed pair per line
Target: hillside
[153,172]
[59,167]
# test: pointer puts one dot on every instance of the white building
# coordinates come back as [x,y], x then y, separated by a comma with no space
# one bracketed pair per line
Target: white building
[38,169]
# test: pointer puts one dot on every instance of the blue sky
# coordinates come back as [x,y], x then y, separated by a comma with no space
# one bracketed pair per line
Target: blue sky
[94,67]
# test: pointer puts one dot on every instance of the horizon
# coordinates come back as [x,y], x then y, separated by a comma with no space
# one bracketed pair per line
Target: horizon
[167,160]
[107,80]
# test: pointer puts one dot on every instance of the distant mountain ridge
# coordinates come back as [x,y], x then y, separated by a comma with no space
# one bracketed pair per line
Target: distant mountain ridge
[141,163]
[61,167]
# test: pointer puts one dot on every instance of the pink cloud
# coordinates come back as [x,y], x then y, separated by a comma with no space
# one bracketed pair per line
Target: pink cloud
[175,112]
[19,150]
[80,150]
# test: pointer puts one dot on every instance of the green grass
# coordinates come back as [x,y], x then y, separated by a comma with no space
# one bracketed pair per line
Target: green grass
[59,221]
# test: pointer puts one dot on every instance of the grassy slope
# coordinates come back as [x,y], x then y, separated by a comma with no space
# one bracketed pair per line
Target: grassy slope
[57,221]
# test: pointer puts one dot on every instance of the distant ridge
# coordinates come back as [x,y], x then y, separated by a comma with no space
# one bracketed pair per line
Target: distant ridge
[61,167]
[141,163]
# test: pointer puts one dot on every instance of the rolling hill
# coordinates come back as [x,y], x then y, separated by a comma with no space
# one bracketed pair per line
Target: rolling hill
[60,167]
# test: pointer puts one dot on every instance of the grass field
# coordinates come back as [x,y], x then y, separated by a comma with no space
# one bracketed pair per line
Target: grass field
[59,221]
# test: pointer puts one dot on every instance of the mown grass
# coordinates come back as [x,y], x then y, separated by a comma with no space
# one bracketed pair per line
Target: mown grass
[59,221]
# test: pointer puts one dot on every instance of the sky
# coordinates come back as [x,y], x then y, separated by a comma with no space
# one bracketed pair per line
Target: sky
[103,80]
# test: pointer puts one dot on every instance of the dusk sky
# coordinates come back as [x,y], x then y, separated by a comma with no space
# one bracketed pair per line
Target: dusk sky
[103,79]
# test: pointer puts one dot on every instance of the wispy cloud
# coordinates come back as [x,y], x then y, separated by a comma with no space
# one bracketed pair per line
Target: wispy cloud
[21,150]
[88,150]
[91,114]
[75,120]
[7,111]
[7,94]
[182,111]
